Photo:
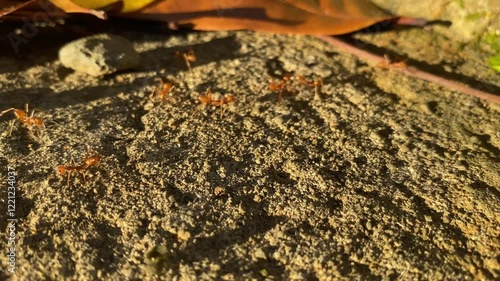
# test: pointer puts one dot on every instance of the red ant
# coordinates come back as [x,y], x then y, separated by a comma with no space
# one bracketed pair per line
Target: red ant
[207,99]
[165,89]
[282,86]
[91,159]
[29,121]
[188,57]
[285,84]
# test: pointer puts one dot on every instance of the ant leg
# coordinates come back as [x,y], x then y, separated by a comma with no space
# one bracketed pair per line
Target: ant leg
[84,179]
[170,91]
[11,127]
[198,109]
[316,89]
[106,171]
[186,59]
[157,92]
[32,133]
[280,95]
[159,79]
[7,110]
[69,176]
[223,110]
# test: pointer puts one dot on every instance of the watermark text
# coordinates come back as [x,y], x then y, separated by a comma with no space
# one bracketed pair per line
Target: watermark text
[11,219]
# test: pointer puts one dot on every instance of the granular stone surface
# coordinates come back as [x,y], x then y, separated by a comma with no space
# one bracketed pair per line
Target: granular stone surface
[379,176]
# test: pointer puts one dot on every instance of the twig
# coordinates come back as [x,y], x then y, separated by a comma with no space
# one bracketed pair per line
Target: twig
[412,71]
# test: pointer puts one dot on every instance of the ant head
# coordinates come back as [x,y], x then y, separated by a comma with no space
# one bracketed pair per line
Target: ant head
[273,86]
[61,169]
[37,121]
[167,86]
[229,99]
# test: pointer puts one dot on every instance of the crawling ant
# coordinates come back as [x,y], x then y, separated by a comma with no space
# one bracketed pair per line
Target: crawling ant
[282,86]
[188,57]
[90,160]
[289,80]
[387,63]
[164,90]
[207,99]
[32,123]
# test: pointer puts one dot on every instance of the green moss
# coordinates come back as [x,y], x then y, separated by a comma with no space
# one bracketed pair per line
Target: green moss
[494,63]
[492,40]
[476,16]
[460,3]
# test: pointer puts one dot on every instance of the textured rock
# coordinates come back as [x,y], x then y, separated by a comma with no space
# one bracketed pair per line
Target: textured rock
[270,191]
[99,54]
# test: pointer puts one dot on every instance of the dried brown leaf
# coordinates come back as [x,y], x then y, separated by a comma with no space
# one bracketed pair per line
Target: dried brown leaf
[7,7]
[315,17]
[279,16]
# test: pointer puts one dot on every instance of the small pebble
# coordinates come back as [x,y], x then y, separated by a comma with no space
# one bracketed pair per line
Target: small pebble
[99,54]
[183,234]
[219,191]
[369,225]
[259,254]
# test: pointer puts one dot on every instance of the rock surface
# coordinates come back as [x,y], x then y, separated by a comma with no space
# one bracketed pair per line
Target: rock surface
[379,177]
[99,54]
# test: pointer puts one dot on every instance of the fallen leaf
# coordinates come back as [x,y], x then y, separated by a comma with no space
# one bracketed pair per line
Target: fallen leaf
[70,7]
[314,17]
[94,4]
[279,16]
[127,5]
[7,7]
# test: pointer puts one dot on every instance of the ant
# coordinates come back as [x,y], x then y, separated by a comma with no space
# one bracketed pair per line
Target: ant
[282,86]
[90,159]
[207,99]
[387,63]
[165,89]
[188,57]
[285,84]
[31,122]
